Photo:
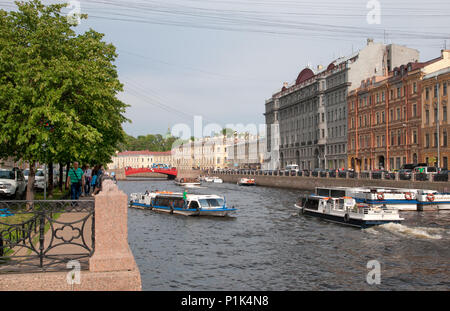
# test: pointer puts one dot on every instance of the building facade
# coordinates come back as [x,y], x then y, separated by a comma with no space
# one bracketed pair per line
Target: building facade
[202,153]
[312,113]
[391,121]
[435,125]
[140,159]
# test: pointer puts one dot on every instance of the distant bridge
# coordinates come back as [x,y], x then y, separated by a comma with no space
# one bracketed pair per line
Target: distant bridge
[171,173]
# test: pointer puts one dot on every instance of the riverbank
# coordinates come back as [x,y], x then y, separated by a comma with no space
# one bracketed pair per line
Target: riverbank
[310,183]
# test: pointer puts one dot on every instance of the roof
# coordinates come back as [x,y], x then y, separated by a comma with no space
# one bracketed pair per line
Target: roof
[143,153]
[437,73]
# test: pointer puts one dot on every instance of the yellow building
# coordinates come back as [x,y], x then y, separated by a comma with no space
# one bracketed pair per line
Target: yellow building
[435,116]
[203,153]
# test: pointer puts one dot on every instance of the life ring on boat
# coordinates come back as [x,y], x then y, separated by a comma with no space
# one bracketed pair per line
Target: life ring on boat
[346,217]
[408,195]
[430,197]
[380,196]
[182,180]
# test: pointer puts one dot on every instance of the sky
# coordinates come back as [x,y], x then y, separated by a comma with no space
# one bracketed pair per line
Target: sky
[221,59]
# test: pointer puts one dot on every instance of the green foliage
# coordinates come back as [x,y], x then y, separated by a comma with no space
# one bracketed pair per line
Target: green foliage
[148,142]
[57,89]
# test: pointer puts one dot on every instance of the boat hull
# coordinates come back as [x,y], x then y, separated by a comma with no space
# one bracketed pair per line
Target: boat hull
[220,212]
[352,222]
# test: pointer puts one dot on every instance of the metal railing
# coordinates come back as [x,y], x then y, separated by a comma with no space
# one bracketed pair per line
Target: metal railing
[40,236]
[375,175]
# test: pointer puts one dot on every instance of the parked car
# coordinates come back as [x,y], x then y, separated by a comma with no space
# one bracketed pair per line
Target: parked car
[39,180]
[12,184]
[442,175]
[292,167]
[405,174]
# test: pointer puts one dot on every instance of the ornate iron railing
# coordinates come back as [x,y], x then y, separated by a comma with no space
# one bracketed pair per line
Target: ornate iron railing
[44,235]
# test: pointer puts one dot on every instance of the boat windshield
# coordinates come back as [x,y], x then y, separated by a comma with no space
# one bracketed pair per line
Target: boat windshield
[211,202]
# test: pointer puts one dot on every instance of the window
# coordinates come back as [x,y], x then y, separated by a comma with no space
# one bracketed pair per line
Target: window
[414,110]
[427,140]
[436,90]
[399,138]
[398,114]
[382,117]
[444,139]
[427,116]
[435,115]
[444,113]
[435,139]
[391,112]
[427,93]
[399,91]
[414,137]
[415,87]
[445,89]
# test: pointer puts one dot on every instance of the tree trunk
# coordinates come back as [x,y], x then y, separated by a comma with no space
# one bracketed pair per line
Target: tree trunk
[30,185]
[67,173]
[61,176]
[50,180]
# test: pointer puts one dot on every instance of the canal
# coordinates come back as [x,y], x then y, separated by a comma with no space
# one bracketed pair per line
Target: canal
[266,246]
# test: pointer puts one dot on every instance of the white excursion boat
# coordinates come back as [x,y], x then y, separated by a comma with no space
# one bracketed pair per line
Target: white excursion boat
[345,210]
[400,199]
[432,200]
[178,203]
[246,182]
[216,180]
[184,182]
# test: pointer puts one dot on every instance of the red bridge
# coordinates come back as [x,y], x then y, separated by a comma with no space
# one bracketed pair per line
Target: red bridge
[171,173]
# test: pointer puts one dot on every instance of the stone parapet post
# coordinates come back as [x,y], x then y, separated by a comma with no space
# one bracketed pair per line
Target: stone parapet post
[112,252]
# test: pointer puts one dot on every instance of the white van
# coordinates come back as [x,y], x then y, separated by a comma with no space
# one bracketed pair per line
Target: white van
[292,168]
[426,169]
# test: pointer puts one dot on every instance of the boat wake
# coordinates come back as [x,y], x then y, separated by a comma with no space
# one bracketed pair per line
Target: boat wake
[417,232]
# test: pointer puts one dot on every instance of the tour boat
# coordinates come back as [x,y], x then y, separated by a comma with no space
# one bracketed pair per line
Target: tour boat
[398,198]
[345,210]
[177,203]
[432,200]
[188,182]
[216,180]
[246,182]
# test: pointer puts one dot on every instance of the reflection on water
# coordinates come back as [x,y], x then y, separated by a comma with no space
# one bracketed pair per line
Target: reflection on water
[266,245]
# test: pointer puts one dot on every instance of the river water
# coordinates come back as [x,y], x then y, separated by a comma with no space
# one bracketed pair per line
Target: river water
[266,245]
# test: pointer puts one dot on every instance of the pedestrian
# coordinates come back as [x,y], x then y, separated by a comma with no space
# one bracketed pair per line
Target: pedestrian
[75,180]
[101,177]
[87,180]
[94,177]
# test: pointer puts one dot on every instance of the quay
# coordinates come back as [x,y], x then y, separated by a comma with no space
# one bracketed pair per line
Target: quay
[310,183]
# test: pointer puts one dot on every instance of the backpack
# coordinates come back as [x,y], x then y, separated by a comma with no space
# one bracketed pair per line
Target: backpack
[94,180]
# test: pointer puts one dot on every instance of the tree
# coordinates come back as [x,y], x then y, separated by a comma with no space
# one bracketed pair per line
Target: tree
[57,89]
